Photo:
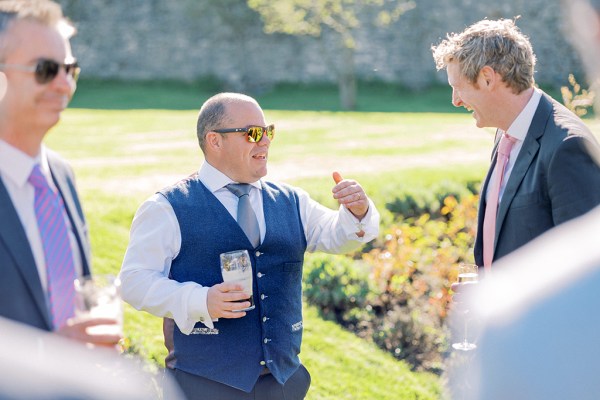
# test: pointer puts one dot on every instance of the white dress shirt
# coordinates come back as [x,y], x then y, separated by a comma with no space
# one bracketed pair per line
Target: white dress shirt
[15,168]
[155,241]
[518,130]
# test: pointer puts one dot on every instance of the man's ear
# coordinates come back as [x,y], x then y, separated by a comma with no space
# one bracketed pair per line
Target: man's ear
[488,78]
[214,141]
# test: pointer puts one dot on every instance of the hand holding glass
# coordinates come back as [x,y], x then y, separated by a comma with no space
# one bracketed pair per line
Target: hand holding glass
[466,273]
[98,297]
[237,268]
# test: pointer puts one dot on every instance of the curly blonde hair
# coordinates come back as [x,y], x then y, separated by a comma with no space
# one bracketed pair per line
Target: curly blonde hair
[498,44]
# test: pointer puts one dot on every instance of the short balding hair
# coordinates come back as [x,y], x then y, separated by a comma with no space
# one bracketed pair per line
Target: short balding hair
[213,113]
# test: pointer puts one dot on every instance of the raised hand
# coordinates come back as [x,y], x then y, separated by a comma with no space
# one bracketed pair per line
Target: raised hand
[349,193]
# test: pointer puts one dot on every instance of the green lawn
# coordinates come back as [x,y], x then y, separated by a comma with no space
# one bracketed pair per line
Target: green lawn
[122,155]
[173,95]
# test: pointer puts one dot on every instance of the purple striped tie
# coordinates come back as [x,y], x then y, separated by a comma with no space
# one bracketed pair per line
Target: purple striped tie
[50,214]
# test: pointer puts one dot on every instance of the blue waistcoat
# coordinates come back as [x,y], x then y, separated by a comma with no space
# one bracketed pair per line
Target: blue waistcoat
[237,350]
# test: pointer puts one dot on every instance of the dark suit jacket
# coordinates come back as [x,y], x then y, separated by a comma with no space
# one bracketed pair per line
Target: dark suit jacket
[555,178]
[21,295]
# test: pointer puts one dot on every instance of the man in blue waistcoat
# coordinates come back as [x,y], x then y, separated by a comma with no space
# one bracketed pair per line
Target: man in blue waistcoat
[172,265]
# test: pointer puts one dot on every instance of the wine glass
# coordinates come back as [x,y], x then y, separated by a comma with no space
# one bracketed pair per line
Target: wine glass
[466,273]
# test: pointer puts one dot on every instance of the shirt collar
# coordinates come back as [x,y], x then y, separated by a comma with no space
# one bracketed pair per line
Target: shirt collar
[215,180]
[16,165]
[518,129]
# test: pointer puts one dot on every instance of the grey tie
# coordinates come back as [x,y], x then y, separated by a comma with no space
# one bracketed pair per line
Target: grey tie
[246,217]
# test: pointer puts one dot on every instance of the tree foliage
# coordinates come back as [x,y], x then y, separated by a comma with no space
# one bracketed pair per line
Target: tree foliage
[309,17]
[342,17]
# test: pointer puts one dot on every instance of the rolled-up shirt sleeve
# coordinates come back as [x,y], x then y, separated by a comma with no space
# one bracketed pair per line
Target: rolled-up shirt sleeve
[155,240]
[335,231]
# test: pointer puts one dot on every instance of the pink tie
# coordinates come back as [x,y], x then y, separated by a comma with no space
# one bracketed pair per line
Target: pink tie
[491,208]
[50,214]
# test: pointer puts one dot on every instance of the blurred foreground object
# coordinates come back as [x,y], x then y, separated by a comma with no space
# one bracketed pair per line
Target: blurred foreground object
[37,367]
[539,332]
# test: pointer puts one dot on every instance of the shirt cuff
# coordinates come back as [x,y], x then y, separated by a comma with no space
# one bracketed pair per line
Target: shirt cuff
[369,224]
[197,311]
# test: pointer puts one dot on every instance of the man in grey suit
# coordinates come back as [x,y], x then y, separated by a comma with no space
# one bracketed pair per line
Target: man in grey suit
[38,77]
[550,176]
[539,338]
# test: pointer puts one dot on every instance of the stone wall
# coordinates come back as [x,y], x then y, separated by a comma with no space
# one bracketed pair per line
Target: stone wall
[223,40]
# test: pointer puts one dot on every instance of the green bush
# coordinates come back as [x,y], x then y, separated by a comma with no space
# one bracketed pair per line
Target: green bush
[415,202]
[400,301]
[413,269]
[339,285]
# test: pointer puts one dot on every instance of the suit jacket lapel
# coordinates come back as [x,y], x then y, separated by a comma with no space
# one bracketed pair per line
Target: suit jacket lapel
[530,148]
[478,250]
[486,182]
[15,239]
[67,191]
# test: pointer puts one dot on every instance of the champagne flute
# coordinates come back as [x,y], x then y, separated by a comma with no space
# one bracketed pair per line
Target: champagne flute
[467,273]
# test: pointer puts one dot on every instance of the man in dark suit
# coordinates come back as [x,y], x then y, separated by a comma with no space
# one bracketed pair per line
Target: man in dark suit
[540,340]
[548,175]
[39,258]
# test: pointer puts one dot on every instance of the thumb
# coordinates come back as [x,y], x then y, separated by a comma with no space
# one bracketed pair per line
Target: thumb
[337,177]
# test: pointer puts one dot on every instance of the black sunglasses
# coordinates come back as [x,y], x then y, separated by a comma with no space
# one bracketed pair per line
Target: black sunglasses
[254,133]
[46,70]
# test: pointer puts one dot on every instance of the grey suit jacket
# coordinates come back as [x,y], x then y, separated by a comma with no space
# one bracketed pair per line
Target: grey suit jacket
[555,178]
[21,295]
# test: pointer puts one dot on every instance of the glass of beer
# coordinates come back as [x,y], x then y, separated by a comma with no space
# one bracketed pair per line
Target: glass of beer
[237,268]
[467,273]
